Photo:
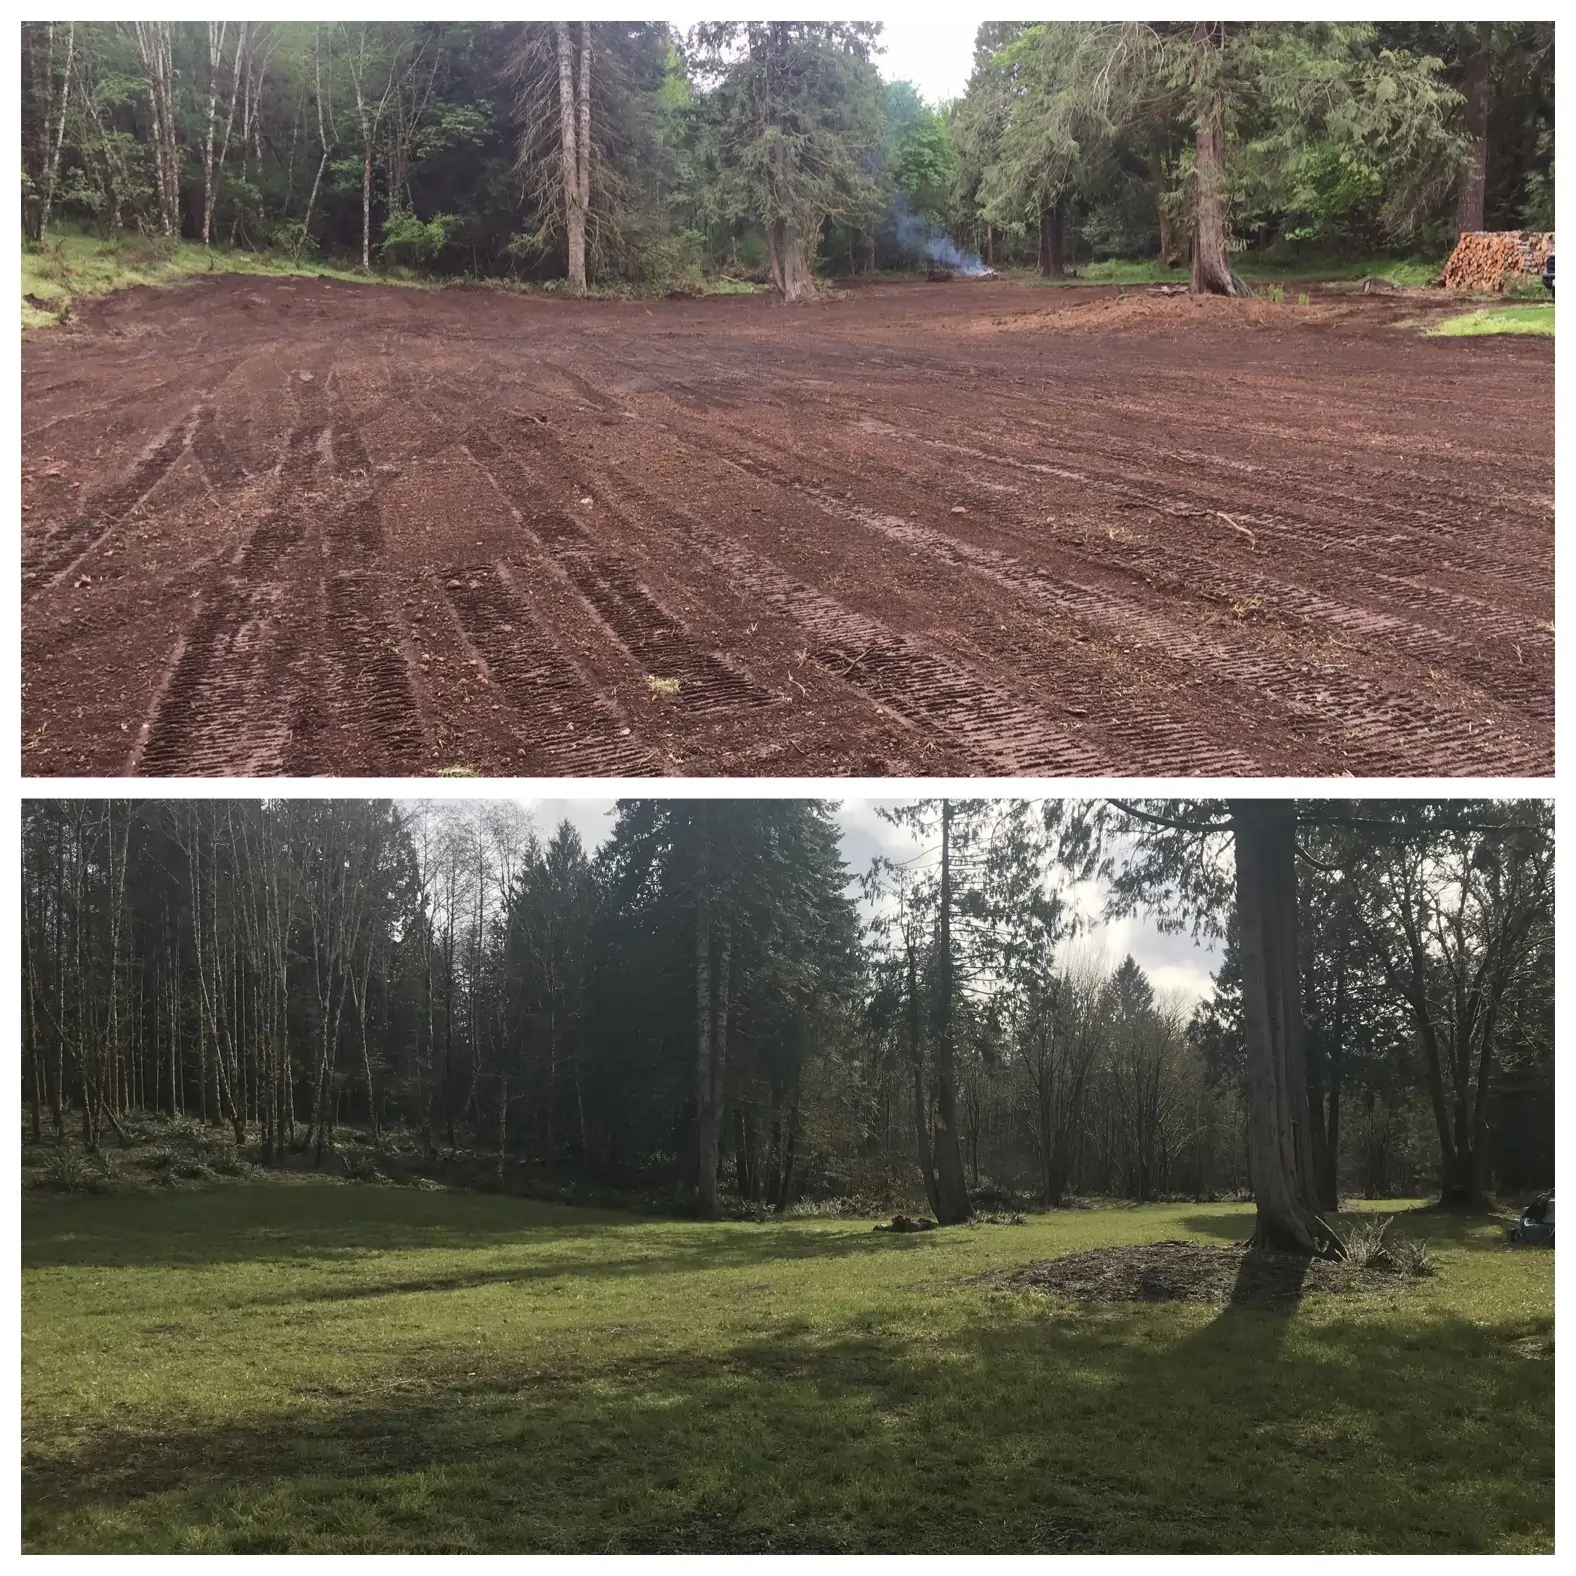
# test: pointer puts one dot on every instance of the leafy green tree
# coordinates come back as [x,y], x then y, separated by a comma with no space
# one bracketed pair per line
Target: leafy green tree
[920,155]
[787,117]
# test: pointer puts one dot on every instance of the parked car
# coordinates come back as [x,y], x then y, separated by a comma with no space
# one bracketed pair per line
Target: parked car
[1536,1226]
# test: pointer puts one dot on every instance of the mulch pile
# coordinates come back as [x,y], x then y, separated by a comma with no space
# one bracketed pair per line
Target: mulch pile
[1192,1272]
[1484,259]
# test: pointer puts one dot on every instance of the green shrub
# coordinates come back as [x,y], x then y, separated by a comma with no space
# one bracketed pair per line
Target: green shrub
[1524,287]
[1302,300]
[1411,1256]
[408,239]
[65,1172]
[1365,1244]
[1275,293]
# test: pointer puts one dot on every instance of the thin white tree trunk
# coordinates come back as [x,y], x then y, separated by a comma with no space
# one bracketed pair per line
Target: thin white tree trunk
[60,129]
[322,163]
[215,54]
[217,174]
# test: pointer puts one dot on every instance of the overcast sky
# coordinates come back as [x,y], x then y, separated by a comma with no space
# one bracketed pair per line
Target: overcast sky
[1173,963]
[935,52]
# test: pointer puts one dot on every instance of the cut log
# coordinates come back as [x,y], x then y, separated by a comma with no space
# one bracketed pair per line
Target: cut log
[1484,259]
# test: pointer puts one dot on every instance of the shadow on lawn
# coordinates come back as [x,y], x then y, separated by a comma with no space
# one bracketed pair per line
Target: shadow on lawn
[1478,1230]
[347,1225]
[1032,1428]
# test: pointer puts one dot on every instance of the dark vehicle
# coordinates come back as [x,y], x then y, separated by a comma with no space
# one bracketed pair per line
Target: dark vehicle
[1536,1226]
[1548,272]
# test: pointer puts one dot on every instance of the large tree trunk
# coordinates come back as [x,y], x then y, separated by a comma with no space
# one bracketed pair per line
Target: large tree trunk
[1053,232]
[1281,1167]
[795,262]
[952,1194]
[570,155]
[1211,267]
[1474,115]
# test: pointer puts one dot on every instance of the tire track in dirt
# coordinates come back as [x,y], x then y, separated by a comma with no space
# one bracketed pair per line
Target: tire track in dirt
[564,726]
[940,697]
[1378,724]
[1104,466]
[238,690]
[60,552]
[657,640]
[365,711]
[1430,637]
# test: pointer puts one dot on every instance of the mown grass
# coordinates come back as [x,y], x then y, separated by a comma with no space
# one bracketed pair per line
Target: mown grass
[69,266]
[305,1366]
[1497,320]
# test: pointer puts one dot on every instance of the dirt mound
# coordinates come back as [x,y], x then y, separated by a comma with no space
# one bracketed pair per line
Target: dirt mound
[1152,310]
[1193,1272]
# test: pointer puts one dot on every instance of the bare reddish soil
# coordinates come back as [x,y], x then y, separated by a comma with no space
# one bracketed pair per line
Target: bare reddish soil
[307,527]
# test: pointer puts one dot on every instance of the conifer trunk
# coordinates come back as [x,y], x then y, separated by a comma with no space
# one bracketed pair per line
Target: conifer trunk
[1281,1159]
[1474,115]
[1211,267]
[574,161]
[952,1194]
[1053,231]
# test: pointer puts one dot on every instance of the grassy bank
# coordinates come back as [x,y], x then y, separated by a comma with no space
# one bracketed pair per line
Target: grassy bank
[68,267]
[305,1365]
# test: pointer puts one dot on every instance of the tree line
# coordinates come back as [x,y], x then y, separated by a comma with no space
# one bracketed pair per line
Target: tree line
[633,153]
[713,1006]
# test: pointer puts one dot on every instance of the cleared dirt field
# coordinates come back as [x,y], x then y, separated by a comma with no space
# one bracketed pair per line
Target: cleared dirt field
[307,527]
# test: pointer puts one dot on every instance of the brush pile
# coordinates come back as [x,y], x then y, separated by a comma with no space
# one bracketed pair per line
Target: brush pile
[939,276]
[1484,259]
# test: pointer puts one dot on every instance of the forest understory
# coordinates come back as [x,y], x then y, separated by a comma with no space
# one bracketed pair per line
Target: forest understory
[307,527]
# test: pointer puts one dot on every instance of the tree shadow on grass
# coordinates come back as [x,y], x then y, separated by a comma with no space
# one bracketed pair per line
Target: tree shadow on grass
[1030,1426]
[346,1224]
[1479,1230]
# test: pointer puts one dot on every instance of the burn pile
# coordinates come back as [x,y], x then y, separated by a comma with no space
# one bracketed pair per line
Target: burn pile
[938,275]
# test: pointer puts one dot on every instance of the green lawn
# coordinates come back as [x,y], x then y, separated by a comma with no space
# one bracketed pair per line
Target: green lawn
[305,1366]
[1498,320]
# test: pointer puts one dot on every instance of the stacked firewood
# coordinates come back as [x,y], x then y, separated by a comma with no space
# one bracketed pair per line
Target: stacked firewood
[1483,259]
